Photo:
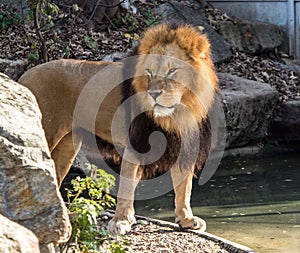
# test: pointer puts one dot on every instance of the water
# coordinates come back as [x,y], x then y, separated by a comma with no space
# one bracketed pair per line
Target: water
[255,203]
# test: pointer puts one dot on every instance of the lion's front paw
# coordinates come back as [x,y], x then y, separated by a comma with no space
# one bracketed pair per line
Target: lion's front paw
[120,227]
[192,223]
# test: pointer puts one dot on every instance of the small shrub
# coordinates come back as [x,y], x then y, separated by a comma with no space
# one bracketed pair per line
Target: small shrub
[8,17]
[90,42]
[151,18]
[87,236]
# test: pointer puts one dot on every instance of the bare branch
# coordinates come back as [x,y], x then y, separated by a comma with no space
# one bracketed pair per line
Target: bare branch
[44,50]
[110,6]
[96,5]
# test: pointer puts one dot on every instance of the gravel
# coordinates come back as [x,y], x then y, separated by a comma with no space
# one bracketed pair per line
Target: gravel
[150,235]
[154,238]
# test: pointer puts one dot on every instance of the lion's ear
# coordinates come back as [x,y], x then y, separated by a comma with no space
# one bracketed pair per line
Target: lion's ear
[202,49]
[195,44]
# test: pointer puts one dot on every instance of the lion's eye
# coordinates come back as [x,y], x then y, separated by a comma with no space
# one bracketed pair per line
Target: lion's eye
[171,71]
[148,72]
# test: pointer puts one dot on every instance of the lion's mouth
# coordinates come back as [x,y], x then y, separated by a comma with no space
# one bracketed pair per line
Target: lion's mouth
[163,111]
[162,106]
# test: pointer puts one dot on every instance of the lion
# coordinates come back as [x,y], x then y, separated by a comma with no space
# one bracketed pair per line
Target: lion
[174,79]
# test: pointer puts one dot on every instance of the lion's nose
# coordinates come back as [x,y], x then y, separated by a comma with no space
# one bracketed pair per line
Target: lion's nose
[154,93]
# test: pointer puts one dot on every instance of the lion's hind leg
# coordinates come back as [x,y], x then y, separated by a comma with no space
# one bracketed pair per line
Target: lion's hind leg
[182,181]
[64,154]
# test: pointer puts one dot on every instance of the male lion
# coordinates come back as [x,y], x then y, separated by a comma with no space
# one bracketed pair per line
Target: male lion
[175,83]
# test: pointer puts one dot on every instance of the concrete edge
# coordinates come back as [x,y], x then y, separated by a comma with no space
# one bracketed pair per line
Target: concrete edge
[227,244]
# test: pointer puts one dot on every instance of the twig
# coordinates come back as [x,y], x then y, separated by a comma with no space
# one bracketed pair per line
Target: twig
[37,27]
[108,18]
[93,13]
[97,4]
[110,6]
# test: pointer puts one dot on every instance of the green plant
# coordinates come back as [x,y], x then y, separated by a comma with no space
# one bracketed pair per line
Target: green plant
[8,18]
[151,18]
[90,42]
[87,236]
[131,22]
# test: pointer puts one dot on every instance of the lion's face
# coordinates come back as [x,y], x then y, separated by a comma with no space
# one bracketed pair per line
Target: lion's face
[164,95]
[175,76]
[165,87]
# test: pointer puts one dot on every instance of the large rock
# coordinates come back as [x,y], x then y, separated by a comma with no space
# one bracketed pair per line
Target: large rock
[15,238]
[28,188]
[195,16]
[285,125]
[251,36]
[248,107]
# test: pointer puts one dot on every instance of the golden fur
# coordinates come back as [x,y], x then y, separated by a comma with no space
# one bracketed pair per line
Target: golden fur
[57,86]
[187,44]
[177,93]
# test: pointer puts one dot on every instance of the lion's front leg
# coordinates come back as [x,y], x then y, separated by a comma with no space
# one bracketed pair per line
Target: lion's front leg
[182,181]
[124,216]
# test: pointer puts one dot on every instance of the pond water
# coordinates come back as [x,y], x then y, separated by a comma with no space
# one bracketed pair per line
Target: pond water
[254,202]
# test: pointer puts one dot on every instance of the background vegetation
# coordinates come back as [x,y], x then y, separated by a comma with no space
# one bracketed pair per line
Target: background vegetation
[66,29]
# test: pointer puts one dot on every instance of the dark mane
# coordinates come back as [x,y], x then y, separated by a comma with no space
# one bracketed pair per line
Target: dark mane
[140,130]
[143,126]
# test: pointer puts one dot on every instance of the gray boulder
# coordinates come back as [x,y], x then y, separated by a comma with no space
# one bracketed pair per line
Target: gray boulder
[28,188]
[114,57]
[285,125]
[14,69]
[248,107]
[176,11]
[251,36]
[15,238]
